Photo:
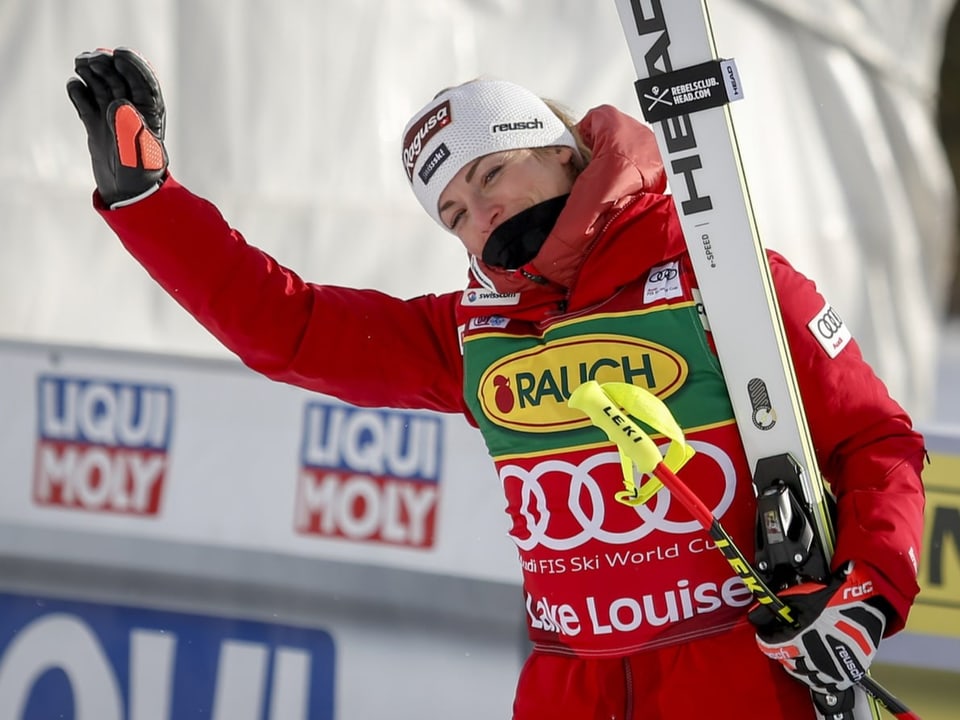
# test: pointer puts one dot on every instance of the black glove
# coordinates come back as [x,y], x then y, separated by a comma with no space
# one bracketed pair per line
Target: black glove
[119,101]
[840,628]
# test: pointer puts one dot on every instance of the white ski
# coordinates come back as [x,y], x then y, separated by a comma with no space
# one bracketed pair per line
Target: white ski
[683,89]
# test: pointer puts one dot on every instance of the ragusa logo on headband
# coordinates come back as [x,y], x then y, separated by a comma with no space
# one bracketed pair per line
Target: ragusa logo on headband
[420,133]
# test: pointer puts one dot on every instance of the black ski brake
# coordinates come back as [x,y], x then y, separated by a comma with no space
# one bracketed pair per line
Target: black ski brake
[789,550]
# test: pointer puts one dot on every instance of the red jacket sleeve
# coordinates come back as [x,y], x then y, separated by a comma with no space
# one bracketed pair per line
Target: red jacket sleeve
[865,444]
[361,346]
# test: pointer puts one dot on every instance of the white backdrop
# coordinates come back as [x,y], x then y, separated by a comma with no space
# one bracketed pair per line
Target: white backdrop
[288,114]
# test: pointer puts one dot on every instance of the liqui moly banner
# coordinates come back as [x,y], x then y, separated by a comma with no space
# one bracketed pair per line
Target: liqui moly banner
[102,445]
[369,475]
[69,659]
[209,453]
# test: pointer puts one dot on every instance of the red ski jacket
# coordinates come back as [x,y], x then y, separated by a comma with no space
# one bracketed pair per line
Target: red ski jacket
[370,349]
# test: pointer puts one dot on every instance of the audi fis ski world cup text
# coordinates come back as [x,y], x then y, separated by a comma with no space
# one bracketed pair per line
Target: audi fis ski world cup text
[615,558]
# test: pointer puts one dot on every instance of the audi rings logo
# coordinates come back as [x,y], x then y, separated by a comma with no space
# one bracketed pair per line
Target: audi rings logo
[829,324]
[663,283]
[828,328]
[588,505]
[664,274]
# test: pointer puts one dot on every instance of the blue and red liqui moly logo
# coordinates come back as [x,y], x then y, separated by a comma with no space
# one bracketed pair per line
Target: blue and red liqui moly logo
[72,659]
[369,475]
[102,445]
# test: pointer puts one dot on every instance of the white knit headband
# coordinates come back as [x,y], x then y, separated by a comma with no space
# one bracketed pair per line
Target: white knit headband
[468,122]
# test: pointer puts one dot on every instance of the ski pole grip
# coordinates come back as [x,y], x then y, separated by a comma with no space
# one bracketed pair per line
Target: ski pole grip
[622,432]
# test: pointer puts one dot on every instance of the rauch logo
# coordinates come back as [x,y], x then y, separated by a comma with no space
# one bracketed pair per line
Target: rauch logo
[528,390]
[102,445]
[369,475]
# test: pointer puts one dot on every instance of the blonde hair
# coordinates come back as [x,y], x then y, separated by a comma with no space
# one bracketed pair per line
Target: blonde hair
[567,118]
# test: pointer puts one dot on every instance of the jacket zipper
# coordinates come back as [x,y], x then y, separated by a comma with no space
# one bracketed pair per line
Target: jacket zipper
[606,226]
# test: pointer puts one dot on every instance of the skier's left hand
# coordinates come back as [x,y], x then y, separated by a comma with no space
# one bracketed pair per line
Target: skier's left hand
[840,628]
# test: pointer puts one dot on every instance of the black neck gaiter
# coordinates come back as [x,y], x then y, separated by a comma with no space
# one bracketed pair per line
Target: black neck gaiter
[517,241]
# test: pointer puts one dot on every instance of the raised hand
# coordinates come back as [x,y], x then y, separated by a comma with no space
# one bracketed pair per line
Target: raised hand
[119,101]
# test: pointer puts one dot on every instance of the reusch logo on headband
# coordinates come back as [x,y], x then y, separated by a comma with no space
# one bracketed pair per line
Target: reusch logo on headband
[535,124]
[420,133]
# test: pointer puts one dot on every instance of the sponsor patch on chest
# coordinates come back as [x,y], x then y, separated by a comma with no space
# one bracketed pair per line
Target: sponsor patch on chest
[663,283]
[830,331]
[473,297]
[488,321]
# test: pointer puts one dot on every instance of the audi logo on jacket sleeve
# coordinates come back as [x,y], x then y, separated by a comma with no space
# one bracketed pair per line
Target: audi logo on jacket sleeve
[829,330]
